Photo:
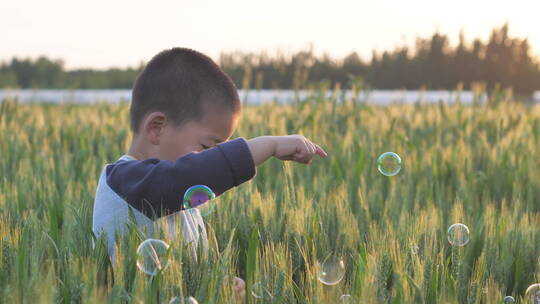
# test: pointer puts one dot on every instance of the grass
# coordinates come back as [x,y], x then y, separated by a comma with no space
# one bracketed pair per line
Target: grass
[477,165]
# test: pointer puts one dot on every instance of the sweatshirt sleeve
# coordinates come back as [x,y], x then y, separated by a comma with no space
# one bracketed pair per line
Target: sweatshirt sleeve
[157,187]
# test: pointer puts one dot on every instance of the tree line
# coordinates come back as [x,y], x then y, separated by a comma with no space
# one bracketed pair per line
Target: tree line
[433,63]
[48,73]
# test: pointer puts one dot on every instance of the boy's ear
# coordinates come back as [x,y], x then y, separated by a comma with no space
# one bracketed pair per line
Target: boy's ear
[154,125]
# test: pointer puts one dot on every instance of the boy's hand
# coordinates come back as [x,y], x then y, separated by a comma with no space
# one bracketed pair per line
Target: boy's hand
[239,288]
[291,147]
[297,148]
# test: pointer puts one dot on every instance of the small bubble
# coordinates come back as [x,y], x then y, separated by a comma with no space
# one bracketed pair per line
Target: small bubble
[331,270]
[191,300]
[389,163]
[346,299]
[414,249]
[260,292]
[509,299]
[188,300]
[200,197]
[458,235]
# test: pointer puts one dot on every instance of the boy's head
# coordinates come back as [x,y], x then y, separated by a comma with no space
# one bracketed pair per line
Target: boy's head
[182,102]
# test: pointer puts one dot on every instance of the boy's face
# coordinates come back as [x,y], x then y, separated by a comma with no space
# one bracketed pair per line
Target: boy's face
[194,136]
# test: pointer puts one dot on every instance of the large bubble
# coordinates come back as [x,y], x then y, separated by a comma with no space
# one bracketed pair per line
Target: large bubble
[152,256]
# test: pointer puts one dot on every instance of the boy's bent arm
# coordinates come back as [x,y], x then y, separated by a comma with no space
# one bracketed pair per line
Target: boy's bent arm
[156,187]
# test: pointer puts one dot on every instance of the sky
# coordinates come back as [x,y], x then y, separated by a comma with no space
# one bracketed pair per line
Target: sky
[119,33]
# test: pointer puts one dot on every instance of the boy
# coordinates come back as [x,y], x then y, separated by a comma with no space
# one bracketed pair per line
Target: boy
[184,108]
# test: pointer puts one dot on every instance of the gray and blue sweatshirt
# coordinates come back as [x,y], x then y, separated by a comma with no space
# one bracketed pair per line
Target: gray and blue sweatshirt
[153,190]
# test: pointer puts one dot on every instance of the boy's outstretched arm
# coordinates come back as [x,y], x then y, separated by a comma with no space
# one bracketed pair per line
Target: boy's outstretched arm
[156,187]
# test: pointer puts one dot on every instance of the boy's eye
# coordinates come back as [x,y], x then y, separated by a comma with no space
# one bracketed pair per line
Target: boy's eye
[204,147]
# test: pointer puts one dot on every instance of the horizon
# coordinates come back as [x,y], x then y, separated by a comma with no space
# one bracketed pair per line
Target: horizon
[103,39]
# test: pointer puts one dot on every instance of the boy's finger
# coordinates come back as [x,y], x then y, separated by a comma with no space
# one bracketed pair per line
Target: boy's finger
[312,148]
[305,149]
[305,158]
[320,151]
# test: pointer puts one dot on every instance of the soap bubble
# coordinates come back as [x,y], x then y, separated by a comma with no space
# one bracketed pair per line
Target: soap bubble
[389,163]
[331,270]
[201,197]
[189,300]
[458,235]
[152,256]
[532,294]
[346,299]
[509,299]
[259,291]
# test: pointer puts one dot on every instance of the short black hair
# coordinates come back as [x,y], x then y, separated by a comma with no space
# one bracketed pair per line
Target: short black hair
[180,82]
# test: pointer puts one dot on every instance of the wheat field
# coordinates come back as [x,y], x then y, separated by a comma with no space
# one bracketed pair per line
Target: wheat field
[477,165]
